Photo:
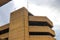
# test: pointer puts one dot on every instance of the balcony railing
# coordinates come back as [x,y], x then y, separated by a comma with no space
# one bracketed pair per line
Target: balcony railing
[6,35]
[42,29]
[44,37]
[40,19]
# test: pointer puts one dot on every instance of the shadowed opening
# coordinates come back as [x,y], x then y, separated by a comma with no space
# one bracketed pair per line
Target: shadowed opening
[6,39]
[40,33]
[4,31]
[30,14]
[37,23]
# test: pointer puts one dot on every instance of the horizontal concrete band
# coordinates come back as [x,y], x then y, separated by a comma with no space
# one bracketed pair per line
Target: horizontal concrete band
[41,29]
[4,27]
[40,19]
[44,37]
[2,2]
[4,35]
[4,31]
[4,39]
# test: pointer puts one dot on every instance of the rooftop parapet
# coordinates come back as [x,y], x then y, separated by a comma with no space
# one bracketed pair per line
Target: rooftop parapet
[41,30]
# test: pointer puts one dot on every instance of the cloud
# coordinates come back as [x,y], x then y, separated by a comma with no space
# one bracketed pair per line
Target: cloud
[52,3]
[56,3]
[57,32]
[39,2]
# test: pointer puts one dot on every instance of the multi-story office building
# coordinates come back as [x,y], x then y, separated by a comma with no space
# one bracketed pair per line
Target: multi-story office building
[2,2]
[25,26]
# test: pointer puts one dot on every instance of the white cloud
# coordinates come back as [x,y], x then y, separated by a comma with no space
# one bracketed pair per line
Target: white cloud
[5,12]
[20,3]
[52,3]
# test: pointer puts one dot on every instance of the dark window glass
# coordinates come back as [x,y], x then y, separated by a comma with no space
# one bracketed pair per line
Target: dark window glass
[6,39]
[36,23]
[4,31]
[30,14]
[40,33]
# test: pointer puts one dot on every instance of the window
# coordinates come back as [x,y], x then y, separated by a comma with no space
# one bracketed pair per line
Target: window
[37,23]
[4,31]
[40,33]
[30,14]
[6,39]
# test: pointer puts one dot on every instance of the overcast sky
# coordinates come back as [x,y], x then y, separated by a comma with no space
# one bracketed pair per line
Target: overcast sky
[49,8]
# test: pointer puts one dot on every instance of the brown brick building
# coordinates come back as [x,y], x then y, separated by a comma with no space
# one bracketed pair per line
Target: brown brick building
[25,26]
[2,2]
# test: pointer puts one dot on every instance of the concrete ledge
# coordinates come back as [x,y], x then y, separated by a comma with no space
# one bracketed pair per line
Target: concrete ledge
[4,27]
[6,35]
[40,19]
[41,38]
[40,29]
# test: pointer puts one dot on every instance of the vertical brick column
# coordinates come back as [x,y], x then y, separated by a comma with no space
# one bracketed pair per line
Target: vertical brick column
[26,24]
[18,29]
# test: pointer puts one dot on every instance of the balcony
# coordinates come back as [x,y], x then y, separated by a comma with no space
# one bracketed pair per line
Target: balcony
[44,37]
[41,30]
[4,27]
[4,31]
[3,36]
[40,20]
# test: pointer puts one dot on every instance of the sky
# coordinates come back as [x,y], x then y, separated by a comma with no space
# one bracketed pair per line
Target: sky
[49,8]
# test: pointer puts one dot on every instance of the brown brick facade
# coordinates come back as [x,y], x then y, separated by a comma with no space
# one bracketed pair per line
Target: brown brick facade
[25,26]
